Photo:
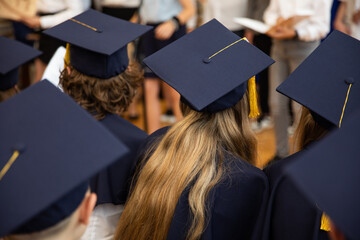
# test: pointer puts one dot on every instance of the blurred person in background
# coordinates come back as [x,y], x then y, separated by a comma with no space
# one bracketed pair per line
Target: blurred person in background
[169,18]
[290,46]
[256,9]
[348,18]
[49,14]
[225,11]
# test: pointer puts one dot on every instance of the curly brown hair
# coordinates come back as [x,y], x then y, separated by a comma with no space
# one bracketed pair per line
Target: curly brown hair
[102,96]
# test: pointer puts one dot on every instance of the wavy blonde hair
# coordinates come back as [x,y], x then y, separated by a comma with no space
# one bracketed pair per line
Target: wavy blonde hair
[190,153]
[102,96]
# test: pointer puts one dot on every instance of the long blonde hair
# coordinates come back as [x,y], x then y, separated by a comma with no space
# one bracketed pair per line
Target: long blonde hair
[190,153]
[308,130]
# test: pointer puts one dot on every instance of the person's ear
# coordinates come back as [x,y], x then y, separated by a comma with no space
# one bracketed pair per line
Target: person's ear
[335,233]
[86,208]
[68,70]
[16,88]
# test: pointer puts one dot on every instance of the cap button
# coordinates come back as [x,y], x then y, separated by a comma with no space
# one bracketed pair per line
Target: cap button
[206,60]
[349,80]
[19,147]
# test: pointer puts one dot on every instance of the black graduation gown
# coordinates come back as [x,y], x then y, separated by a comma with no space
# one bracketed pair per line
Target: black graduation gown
[112,184]
[237,204]
[290,215]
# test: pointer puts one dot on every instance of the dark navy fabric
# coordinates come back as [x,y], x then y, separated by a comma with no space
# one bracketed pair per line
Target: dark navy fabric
[60,147]
[149,44]
[12,55]
[112,184]
[225,102]
[321,82]
[58,211]
[328,174]
[237,204]
[97,64]
[207,64]
[9,79]
[100,39]
[289,213]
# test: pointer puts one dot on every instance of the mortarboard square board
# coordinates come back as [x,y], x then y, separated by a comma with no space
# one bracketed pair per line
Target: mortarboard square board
[207,64]
[328,173]
[60,147]
[321,83]
[12,55]
[98,42]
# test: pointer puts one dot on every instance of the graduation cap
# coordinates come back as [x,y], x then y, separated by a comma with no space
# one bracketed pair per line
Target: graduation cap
[210,67]
[98,42]
[328,173]
[12,55]
[328,81]
[49,147]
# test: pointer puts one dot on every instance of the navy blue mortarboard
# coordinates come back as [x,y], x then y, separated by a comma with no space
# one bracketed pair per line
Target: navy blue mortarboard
[98,42]
[209,67]
[50,147]
[328,81]
[328,173]
[12,55]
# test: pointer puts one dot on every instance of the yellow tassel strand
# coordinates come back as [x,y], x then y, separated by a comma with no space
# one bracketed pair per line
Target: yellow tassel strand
[254,110]
[325,223]
[8,164]
[67,56]
[343,110]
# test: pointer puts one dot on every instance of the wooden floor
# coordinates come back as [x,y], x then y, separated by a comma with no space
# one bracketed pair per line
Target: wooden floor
[266,139]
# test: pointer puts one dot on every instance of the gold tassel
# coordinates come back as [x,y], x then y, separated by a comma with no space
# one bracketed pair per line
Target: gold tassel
[325,223]
[254,110]
[67,56]
[9,163]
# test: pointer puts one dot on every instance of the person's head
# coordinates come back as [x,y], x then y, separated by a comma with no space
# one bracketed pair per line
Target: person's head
[12,55]
[71,228]
[194,148]
[215,105]
[99,75]
[327,173]
[325,84]
[102,96]
[42,165]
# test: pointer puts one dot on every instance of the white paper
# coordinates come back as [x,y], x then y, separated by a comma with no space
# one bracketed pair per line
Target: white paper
[55,66]
[304,12]
[253,24]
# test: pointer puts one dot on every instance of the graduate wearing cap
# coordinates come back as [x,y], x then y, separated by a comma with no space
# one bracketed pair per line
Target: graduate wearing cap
[332,180]
[196,179]
[43,181]
[12,55]
[100,78]
[325,85]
